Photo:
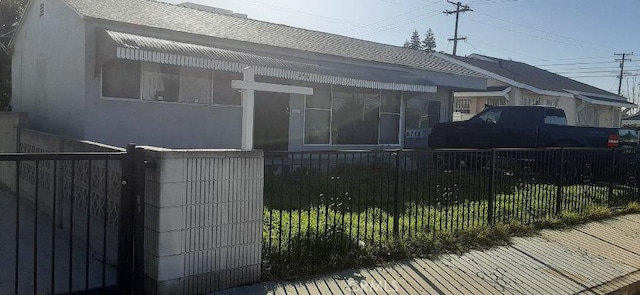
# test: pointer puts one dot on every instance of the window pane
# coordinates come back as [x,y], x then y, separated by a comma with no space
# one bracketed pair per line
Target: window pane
[321,98]
[121,78]
[222,91]
[195,85]
[160,82]
[316,126]
[389,129]
[355,116]
[491,116]
[434,112]
[390,101]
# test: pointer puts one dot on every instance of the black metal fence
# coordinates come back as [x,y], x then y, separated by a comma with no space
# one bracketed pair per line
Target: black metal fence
[371,197]
[69,222]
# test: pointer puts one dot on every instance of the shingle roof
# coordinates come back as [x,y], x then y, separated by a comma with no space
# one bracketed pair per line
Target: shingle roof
[530,75]
[633,117]
[161,15]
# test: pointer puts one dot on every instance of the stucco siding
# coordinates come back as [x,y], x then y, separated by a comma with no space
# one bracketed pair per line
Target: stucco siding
[48,69]
[171,125]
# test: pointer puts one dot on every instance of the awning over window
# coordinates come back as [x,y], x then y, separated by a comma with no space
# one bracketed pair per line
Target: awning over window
[614,101]
[497,91]
[133,47]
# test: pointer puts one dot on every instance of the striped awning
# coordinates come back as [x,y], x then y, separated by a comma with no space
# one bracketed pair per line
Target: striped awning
[134,47]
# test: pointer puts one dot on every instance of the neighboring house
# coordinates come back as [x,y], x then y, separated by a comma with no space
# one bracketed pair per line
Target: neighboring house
[517,83]
[631,121]
[120,71]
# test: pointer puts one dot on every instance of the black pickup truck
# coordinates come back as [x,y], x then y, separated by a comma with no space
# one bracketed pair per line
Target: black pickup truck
[535,127]
[525,127]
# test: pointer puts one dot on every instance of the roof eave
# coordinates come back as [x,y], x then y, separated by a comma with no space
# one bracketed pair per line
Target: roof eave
[504,79]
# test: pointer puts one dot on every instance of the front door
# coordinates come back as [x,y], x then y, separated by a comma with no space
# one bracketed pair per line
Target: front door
[271,121]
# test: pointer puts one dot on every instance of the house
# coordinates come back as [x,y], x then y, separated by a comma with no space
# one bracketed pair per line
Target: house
[191,76]
[516,83]
[631,121]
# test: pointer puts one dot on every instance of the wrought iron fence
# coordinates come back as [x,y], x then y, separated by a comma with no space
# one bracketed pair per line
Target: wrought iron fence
[69,221]
[372,197]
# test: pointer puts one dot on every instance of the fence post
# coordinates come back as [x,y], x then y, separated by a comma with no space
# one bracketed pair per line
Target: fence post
[611,176]
[125,228]
[138,219]
[560,184]
[492,190]
[396,196]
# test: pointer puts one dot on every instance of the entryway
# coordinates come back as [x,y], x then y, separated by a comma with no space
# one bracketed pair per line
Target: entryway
[271,121]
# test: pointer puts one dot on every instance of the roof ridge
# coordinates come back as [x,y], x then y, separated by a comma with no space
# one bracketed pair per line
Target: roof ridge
[277,24]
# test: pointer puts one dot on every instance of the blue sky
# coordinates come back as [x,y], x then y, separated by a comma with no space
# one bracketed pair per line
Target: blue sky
[575,38]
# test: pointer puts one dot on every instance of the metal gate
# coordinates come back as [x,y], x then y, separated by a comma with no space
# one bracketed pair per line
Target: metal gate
[72,223]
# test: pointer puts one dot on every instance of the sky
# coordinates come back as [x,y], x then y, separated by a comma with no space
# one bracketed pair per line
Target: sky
[574,38]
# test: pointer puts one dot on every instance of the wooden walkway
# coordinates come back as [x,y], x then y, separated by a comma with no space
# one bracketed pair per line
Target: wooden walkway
[596,258]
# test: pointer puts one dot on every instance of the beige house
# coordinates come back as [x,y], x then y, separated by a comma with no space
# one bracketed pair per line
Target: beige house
[516,83]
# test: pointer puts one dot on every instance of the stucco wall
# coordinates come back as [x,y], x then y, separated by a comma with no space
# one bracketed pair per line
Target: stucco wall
[171,125]
[48,69]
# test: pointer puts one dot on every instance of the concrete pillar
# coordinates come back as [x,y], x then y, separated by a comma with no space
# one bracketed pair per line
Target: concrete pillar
[203,220]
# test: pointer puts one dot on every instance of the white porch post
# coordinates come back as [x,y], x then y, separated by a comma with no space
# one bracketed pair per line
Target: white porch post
[248,86]
[248,75]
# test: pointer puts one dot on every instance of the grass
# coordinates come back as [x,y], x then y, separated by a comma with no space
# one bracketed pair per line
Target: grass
[316,223]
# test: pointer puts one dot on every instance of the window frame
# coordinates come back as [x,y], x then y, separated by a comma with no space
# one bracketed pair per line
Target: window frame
[140,100]
[457,109]
[330,110]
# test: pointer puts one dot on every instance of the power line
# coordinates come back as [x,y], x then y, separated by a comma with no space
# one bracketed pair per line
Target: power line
[575,63]
[534,36]
[389,19]
[459,9]
[591,72]
[602,76]
[543,31]
[622,60]
[404,23]
[491,2]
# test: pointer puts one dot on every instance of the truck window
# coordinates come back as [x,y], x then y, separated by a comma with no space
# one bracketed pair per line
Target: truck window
[519,116]
[555,117]
[491,116]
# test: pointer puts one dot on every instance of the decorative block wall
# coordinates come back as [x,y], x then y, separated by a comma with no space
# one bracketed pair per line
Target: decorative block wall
[203,220]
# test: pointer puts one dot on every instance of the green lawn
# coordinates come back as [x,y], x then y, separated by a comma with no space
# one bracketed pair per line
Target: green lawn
[316,222]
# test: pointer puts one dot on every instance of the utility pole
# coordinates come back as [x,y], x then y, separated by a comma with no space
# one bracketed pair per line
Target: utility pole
[459,8]
[622,60]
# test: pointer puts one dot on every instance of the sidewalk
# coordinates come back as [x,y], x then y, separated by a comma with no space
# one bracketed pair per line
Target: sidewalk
[596,258]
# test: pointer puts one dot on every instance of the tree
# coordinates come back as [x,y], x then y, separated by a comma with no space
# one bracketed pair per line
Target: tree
[429,43]
[10,13]
[414,42]
[407,44]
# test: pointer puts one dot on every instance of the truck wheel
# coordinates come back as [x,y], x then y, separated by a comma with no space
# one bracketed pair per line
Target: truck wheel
[570,173]
[446,160]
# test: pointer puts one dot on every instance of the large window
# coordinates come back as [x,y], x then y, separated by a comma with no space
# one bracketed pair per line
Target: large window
[121,79]
[318,116]
[168,83]
[352,116]
[222,91]
[390,102]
